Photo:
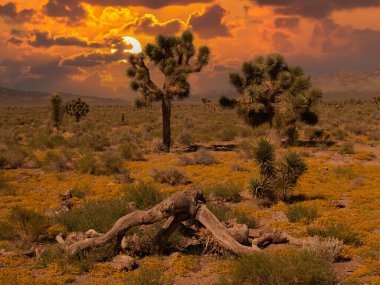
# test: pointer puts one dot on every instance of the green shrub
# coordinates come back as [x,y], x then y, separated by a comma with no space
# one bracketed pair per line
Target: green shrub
[224,192]
[224,213]
[347,148]
[291,268]
[55,162]
[110,163]
[99,216]
[186,139]
[26,225]
[342,232]
[171,176]
[297,213]
[144,195]
[130,152]
[87,164]
[345,171]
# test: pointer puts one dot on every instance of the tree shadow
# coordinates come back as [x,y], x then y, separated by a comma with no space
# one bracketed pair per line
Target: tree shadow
[215,147]
[302,198]
[309,143]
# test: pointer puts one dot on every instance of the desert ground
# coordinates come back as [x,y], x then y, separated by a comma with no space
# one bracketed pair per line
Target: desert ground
[86,175]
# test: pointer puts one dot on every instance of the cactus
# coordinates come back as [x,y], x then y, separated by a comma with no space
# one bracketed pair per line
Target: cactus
[77,109]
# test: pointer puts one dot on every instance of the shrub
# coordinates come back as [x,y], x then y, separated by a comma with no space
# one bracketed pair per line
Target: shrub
[55,162]
[186,139]
[26,225]
[130,152]
[228,134]
[99,216]
[158,146]
[171,176]
[345,171]
[203,157]
[297,213]
[87,164]
[224,213]
[339,231]
[292,135]
[143,195]
[328,248]
[224,193]
[110,163]
[347,148]
[15,157]
[5,188]
[294,267]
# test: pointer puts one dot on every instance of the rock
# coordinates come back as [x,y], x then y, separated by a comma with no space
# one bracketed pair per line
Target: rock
[123,262]
[66,196]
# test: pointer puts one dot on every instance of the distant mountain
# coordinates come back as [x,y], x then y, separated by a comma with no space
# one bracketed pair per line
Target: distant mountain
[349,84]
[10,97]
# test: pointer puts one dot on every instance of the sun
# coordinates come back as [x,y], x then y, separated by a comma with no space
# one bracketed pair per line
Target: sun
[136,46]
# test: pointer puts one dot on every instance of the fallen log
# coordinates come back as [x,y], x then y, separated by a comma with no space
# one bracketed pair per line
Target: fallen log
[180,207]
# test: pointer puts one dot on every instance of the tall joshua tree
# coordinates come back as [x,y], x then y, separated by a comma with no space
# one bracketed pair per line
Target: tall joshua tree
[56,109]
[273,91]
[174,57]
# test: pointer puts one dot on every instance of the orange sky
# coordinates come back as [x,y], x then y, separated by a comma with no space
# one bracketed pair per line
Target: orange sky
[65,45]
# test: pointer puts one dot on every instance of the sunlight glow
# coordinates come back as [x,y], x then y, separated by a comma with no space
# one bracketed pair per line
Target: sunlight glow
[136,46]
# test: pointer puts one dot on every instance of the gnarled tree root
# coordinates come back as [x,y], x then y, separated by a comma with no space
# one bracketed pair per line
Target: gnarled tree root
[182,206]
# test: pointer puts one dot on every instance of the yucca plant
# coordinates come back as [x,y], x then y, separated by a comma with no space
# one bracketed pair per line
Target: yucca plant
[56,109]
[277,178]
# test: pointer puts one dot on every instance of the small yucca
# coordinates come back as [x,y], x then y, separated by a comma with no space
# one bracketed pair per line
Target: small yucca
[277,178]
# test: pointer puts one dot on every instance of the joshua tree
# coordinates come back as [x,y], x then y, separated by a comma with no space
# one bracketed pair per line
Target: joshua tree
[205,101]
[271,91]
[277,178]
[56,109]
[173,55]
[77,109]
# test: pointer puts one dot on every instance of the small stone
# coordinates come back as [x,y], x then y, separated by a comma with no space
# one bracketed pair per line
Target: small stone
[123,262]
[66,196]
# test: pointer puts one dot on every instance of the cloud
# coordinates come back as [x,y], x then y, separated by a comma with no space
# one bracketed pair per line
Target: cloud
[210,24]
[149,25]
[155,4]
[9,12]
[315,8]
[282,43]
[286,23]
[43,39]
[15,41]
[72,10]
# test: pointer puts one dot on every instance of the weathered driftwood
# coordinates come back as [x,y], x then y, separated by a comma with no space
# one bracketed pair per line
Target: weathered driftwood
[180,207]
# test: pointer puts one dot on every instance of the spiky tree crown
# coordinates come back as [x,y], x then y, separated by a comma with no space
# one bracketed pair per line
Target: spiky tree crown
[176,58]
[268,86]
[77,108]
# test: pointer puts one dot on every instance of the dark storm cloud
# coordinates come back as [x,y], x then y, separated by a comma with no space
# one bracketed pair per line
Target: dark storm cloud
[72,10]
[155,4]
[315,8]
[34,72]
[43,39]
[210,24]
[149,25]
[286,23]
[9,13]
[15,41]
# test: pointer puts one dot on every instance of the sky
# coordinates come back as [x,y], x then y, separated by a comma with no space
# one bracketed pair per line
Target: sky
[76,46]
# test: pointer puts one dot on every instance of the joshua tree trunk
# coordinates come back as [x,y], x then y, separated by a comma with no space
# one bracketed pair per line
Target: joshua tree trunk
[166,114]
